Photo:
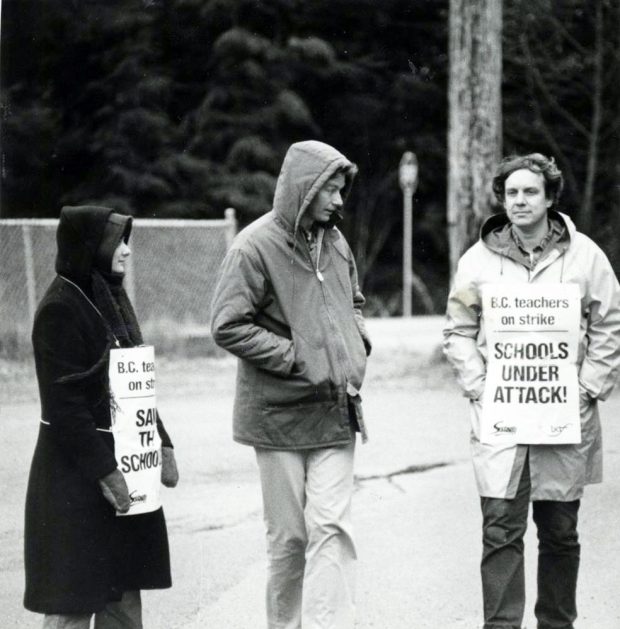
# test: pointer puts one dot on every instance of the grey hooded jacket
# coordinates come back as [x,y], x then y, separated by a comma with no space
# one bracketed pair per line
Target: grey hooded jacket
[294,323]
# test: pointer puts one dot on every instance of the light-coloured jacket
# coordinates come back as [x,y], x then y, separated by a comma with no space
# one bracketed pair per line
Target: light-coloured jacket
[557,472]
[293,320]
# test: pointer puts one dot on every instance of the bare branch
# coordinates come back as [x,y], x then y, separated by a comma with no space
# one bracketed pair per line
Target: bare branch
[559,78]
[420,288]
[612,129]
[379,239]
[546,94]
[559,27]
[558,152]
[611,76]
[366,212]
[597,114]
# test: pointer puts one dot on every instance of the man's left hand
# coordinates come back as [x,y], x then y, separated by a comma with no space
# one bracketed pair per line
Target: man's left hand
[585,400]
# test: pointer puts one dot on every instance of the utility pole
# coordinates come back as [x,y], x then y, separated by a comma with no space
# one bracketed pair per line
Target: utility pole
[475,118]
[408,179]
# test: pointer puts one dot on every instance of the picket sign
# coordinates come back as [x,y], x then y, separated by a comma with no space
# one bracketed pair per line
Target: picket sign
[531,393]
[137,444]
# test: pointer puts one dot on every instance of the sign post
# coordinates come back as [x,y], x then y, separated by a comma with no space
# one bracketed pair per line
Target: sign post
[408,179]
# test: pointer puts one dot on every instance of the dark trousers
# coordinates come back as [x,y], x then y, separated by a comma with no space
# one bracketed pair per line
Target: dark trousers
[503,579]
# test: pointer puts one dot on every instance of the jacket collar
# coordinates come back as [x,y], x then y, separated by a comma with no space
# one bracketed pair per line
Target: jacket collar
[496,235]
[331,235]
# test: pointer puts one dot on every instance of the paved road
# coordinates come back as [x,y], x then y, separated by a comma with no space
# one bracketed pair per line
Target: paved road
[418,532]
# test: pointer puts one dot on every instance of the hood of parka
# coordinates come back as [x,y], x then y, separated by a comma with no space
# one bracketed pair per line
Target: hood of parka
[80,232]
[306,167]
[493,235]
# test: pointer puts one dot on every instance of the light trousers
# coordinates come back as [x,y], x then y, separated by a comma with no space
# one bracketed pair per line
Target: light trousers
[311,554]
[124,614]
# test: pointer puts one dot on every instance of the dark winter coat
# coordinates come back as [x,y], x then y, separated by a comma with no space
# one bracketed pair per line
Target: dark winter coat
[294,322]
[78,554]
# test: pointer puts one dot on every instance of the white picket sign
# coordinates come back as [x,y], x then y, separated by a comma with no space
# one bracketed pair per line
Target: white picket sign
[137,444]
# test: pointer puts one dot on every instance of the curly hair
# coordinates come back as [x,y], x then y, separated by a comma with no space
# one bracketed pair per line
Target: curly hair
[537,163]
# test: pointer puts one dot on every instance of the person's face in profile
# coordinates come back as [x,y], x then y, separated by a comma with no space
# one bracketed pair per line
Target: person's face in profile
[120,257]
[327,200]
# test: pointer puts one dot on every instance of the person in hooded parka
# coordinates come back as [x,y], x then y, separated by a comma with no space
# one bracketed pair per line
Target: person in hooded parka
[533,246]
[289,306]
[80,558]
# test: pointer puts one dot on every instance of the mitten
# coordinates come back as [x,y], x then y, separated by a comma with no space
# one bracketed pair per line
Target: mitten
[169,471]
[115,490]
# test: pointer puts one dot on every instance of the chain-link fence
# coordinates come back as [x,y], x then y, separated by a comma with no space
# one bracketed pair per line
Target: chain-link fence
[170,278]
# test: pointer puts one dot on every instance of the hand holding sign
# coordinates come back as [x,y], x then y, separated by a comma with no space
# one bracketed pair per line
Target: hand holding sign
[114,489]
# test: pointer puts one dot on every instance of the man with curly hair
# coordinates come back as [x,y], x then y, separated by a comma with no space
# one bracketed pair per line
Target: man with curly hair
[532,243]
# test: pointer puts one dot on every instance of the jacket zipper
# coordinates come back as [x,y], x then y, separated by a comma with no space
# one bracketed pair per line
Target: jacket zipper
[548,261]
[319,246]
[319,275]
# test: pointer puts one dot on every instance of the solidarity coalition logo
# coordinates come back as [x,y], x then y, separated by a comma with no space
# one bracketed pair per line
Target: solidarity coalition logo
[501,429]
[135,498]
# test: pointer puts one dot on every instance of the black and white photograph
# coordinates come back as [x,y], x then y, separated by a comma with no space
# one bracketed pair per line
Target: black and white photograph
[310,314]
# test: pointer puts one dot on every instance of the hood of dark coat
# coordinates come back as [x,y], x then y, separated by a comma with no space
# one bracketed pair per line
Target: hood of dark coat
[306,167]
[79,235]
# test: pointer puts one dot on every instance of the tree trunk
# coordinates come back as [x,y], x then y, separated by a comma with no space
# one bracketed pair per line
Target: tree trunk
[615,154]
[595,130]
[475,122]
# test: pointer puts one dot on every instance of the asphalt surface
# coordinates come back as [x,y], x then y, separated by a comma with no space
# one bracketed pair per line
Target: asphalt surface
[415,508]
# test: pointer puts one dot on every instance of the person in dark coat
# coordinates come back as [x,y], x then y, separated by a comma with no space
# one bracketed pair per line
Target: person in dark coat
[80,557]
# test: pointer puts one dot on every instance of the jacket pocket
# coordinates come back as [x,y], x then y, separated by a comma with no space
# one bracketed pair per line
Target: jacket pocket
[310,381]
